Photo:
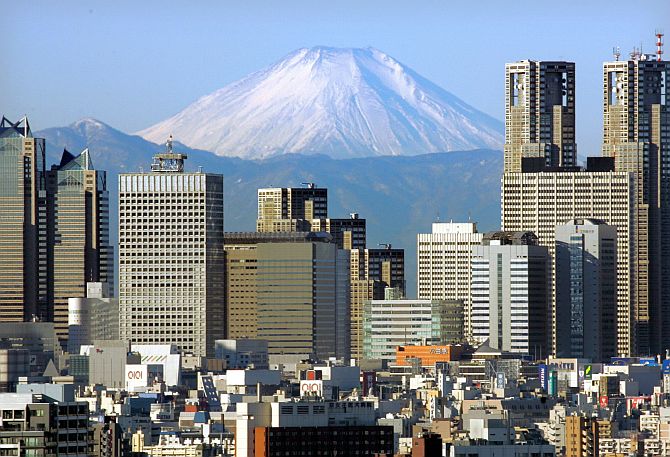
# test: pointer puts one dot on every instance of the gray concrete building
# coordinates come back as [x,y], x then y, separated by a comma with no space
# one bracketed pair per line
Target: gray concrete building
[171,256]
[95,317]
[586,294]
[511,293]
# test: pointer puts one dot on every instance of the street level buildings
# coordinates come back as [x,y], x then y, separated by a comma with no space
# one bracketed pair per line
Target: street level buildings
[171,256]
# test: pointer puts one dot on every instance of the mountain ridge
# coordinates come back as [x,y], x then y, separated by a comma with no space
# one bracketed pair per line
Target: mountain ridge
[345,102]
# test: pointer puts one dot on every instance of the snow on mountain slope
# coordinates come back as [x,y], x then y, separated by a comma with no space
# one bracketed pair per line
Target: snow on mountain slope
[340,102]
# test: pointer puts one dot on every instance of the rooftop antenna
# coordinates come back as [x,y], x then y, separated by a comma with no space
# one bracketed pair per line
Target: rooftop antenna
[659,45]
[617,52]
[168,144]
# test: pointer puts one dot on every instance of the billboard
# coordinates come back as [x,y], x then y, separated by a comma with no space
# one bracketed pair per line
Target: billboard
[311,388]
[369,382]
[544,376]
[136,376]
[666,366]
[603,401]
[588,372]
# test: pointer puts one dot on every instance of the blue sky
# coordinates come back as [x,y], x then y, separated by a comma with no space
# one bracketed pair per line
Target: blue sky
[131,64]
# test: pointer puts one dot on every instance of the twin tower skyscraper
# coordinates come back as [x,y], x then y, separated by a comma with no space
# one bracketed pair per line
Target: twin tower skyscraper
[628,187]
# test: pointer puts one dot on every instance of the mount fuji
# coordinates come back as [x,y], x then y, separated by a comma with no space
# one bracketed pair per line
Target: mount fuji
[345,103]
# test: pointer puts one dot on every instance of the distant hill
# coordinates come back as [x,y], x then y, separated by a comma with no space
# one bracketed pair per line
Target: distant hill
[399,196]
[343,102]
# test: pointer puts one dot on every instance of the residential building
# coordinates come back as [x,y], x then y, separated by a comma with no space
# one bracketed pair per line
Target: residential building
[636,134]
[539,113]
[444,260]
[77,235]
[586,294]
[171,256]
[511,293]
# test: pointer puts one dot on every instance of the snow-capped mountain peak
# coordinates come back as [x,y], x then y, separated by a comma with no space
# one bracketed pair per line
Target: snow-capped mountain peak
[344,102]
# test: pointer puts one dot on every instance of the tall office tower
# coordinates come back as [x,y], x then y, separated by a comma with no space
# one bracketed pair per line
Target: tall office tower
[372,270]
[395,322]
[77,233]
[444,263]
[540,113]
[538,202]
[511,293]
[241,253]
[290,209]
[95,317]
[586,295]
[303,300]
[171,257]
[23,256]
[637,134]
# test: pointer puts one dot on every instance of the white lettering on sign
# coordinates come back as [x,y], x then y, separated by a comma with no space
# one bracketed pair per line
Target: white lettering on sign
[439,351]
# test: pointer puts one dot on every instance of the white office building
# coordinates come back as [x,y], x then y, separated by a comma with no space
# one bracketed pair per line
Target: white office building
[444,263]
[171,267]
[511,293]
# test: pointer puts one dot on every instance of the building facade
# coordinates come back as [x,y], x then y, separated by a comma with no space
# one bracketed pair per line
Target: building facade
[538,202]
[289,209]
[388,324]
[586,290]
[511,293]
[95,317]
[444,264]
[23,256]
[636,134]
[540,113]
[171,256]
[78,234]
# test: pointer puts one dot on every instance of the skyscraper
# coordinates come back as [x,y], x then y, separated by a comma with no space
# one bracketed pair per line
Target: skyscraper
[171,256]
[303,299]
[444,263]
[538,202]
[586,295]
[511,293]
[637,134]
[23,252]
[540,113]
[78,233]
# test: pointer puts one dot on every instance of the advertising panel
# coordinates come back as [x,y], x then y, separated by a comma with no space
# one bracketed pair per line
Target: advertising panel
[136,376]
[311,388]
[544,376]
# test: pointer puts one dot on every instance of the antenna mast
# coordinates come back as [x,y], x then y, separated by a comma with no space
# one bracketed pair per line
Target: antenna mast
[659,45]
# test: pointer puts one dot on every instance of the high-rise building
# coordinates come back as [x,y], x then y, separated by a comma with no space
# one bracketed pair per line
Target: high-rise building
[77,232]
[242,275]
[23,251]
[171,256]
[538,202]
[444,263]
[511,293]
[539,113]
[372,270]
[586,290]
[637,134]
[390,323]
[302,292]
[289,209]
